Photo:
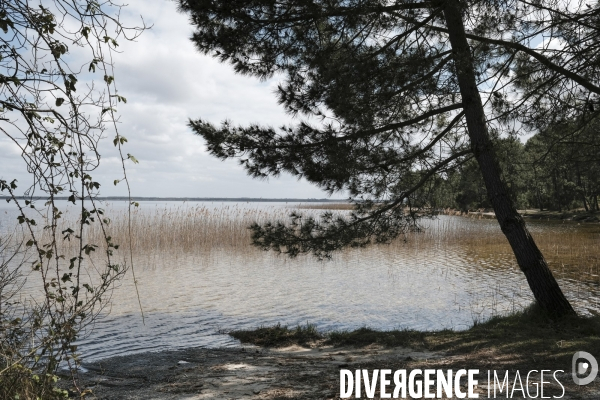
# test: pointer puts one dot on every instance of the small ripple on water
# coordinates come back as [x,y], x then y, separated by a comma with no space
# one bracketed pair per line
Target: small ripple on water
[426,284]
[383,292]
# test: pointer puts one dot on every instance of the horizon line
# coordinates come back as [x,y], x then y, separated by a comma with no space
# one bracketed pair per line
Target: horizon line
[156,198]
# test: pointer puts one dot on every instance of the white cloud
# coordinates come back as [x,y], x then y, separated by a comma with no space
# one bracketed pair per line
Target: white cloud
[166,82]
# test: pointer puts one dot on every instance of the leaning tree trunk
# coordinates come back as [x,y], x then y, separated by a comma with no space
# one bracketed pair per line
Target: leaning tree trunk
[531,261]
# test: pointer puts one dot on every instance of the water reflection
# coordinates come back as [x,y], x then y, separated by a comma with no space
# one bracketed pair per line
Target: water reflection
[189,298]
[458,271]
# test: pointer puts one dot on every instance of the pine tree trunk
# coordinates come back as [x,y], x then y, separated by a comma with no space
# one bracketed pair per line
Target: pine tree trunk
[581,187]
[556,192]
[537,190]
[529,258]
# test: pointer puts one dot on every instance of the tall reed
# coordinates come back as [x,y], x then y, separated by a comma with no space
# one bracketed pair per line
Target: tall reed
[570,249]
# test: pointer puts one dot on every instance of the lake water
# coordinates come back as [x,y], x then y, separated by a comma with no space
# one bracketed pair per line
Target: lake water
[458,271]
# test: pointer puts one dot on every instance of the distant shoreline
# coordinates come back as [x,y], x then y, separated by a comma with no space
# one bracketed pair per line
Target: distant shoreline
[237,199]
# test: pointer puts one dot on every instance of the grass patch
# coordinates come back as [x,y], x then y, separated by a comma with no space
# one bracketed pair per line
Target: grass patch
[366,336]
[279,336]
[308,336]
[528,333]
[525,337]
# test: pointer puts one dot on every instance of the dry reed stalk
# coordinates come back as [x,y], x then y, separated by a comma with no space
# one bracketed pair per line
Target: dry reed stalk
[571,251]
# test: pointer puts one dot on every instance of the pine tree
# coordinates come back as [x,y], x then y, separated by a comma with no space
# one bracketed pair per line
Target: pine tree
[395,94]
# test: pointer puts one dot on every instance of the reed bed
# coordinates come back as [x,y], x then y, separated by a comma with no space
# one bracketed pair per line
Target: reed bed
[204,237]
[571,250]
[185,228]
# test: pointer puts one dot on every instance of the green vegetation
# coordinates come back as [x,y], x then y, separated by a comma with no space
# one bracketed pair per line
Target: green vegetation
[279,336]
[58,100]
[557,169]
[416,99]
[522,337]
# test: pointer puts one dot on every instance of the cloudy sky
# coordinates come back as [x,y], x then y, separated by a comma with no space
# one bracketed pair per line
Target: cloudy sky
[166,81]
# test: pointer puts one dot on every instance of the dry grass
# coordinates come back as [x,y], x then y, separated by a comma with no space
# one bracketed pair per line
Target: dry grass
[571,250]
[185,229]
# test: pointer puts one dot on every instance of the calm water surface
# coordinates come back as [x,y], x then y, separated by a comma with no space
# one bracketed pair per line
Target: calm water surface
[436,280]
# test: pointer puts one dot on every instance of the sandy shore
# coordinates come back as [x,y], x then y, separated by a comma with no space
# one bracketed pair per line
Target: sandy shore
[247,373]
[287,373]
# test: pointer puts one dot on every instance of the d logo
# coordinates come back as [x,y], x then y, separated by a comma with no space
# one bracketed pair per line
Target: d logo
[583,364]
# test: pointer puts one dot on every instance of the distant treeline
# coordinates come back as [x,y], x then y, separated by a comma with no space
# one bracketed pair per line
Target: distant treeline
[558,169]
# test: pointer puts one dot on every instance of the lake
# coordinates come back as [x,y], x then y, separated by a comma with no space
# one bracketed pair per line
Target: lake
[198,277]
